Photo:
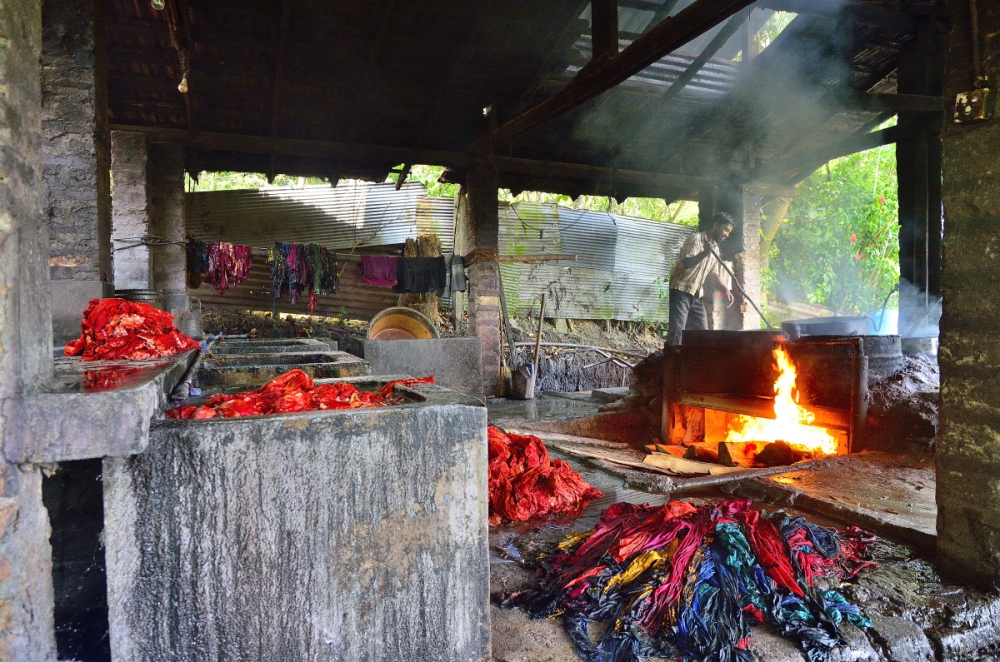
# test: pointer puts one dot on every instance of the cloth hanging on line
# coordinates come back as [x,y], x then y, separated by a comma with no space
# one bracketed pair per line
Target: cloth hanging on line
[419,275]
[303,269]
[196,255]
[379,270]
[228,265]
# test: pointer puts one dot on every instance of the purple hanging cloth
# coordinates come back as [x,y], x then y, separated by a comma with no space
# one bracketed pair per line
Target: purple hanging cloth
[379,270]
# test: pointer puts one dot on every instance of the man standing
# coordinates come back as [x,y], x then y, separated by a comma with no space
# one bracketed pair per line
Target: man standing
[695,266]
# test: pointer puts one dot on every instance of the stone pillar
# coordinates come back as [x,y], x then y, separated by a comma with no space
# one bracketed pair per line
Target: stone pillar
[76,155]
[133,267]
[968,443]
[165,183]
[26,616]
[919,173]
[741,250]
[484,274]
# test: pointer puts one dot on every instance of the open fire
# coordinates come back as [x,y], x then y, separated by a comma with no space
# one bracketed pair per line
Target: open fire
[792,423]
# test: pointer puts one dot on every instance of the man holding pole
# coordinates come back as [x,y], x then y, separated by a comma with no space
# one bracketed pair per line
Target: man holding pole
[697,264]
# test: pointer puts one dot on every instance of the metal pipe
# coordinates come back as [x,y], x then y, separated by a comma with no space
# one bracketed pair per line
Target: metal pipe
[977,62]
[740,288]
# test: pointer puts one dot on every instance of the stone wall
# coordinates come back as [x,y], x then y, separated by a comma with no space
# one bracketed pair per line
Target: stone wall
[26,630]
[77,148]
[130,211]
[165,173]
[77,158]
[968,450]
[484,271]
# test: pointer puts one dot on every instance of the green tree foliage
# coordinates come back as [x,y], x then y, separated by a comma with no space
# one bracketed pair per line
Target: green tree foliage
[839,244]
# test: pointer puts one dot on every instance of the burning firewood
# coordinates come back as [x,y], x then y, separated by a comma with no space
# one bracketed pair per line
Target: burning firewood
[780,453]
[702,453]
[738,453]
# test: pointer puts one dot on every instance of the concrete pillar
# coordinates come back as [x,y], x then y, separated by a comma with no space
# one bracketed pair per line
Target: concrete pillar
[741,250]
[76,155]
[165,183]
[133,267]
[919,173]
[484,274]
[26,612]
[968,443]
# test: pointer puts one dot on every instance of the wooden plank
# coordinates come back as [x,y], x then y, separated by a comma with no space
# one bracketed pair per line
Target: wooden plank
[682,466]
[603,73]
[570,438]
[826,417]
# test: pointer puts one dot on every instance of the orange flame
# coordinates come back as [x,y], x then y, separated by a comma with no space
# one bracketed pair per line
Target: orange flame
[792,423]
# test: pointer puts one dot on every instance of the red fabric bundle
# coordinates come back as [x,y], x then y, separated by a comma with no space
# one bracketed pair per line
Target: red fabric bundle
[115,329]
[291,392]
[525,483]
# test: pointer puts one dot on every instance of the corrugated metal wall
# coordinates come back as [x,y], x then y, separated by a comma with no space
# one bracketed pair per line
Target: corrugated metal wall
[355,297]
[620,258]
[353,215]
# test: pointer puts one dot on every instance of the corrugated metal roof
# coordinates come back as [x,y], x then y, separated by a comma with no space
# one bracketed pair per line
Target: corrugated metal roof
[351,216]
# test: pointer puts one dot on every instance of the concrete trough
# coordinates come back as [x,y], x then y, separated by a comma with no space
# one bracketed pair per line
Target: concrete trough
[252,370]
[272,345]
[456,363]
[336,535]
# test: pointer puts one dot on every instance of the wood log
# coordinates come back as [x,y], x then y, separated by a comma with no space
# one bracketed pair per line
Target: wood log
[738,453]
[676,451]
[703,453]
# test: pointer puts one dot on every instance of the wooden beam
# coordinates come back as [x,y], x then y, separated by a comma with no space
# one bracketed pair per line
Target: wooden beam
[908,103]
[283,22]
[805,164]
[380,154]
[604,73]
[402,176]
[604,27]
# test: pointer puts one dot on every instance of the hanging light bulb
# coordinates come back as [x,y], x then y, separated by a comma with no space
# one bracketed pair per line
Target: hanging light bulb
[158,5]
[182,87]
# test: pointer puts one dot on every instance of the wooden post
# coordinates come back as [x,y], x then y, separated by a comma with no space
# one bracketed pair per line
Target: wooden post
[604,27]
[859,399]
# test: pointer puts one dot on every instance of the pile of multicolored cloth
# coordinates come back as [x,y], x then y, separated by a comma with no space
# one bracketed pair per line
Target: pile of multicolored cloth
[114,329]
[292,392]
[525,483]
[298,268]
[679,581]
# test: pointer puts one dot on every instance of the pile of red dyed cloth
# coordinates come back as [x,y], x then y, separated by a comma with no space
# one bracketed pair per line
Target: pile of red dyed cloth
[685,582]
[115,329]
[291,392]
[525,483]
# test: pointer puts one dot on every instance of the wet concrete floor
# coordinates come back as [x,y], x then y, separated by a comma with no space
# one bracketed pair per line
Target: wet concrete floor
[917,615]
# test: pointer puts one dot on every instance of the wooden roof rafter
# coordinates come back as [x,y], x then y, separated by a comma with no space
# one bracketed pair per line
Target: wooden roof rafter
[603,73]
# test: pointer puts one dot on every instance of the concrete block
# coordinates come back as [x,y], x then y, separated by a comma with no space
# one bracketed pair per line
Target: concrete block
[341,535]
[902,640]
[69,299]
[253,370]
[75,423]
[456,363]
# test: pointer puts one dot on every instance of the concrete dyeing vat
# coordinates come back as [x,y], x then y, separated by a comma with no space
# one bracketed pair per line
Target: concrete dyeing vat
[336,535]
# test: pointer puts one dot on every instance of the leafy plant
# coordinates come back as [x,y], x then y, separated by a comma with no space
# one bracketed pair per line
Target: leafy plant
[839,244]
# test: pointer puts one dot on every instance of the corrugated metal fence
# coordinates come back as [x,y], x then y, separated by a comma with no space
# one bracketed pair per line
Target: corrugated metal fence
[615,277]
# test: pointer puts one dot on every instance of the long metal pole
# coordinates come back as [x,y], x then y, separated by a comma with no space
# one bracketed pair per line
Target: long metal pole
[740,288]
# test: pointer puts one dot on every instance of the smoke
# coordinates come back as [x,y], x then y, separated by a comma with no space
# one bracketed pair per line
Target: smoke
[919,312]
